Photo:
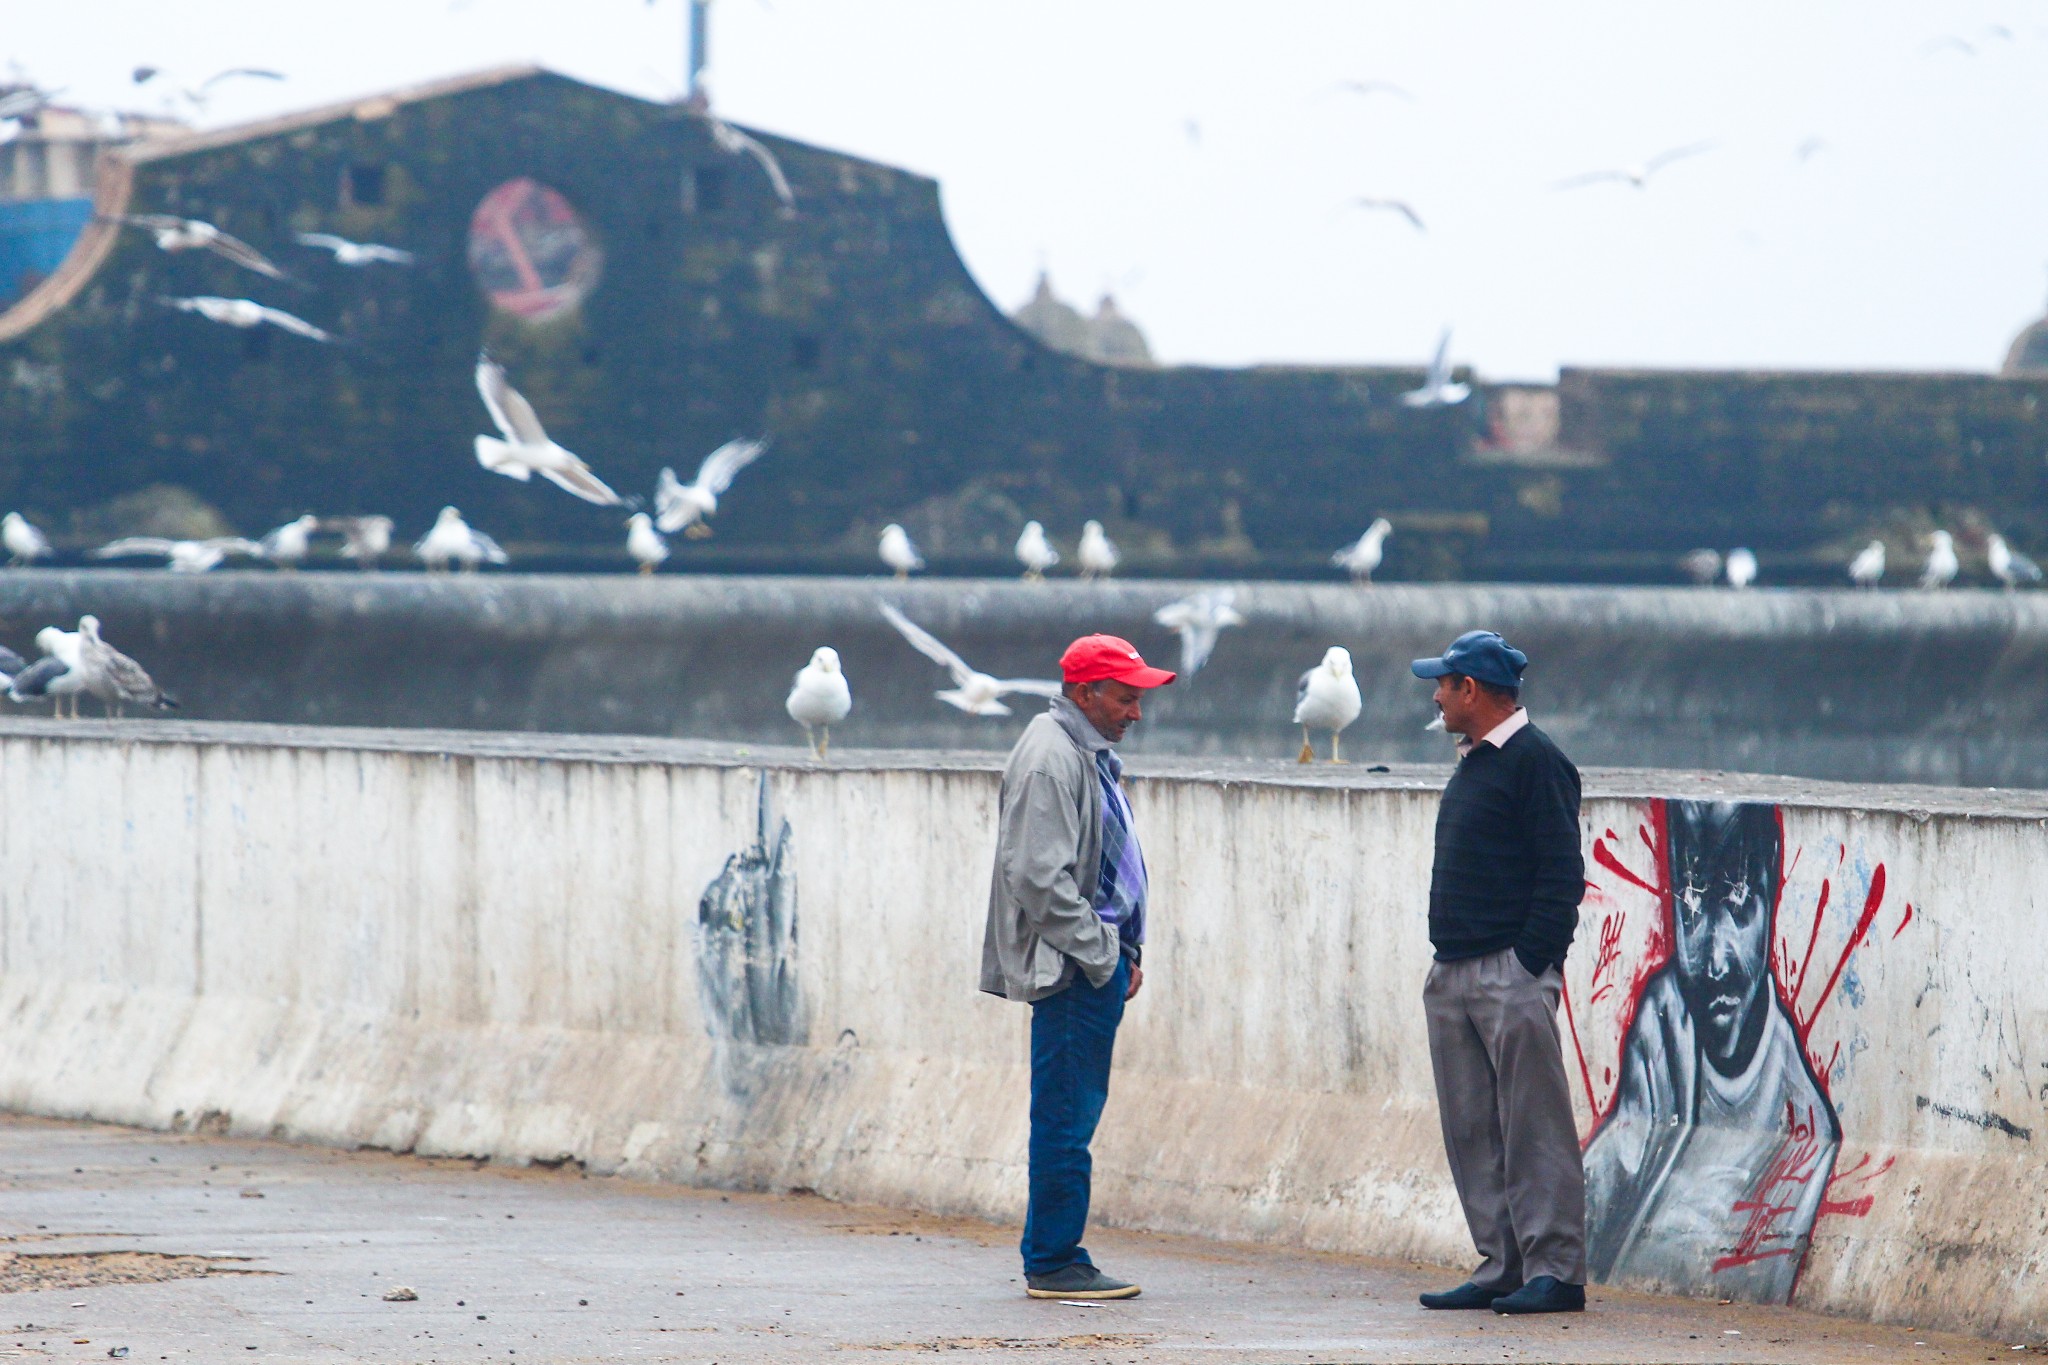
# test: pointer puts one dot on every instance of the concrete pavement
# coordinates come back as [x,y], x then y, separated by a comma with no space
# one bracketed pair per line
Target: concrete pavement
[238,1250]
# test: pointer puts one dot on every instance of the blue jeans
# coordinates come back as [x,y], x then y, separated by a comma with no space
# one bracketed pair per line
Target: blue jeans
[1073,1034]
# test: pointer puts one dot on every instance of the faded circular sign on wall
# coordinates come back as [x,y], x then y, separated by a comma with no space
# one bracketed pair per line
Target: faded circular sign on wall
[530,252]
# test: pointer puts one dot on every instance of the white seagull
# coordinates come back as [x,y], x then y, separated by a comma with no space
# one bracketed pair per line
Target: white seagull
[181,556]
[1327,699]
[355,253]
[1098,553]
[112,676]
[526,447]
[2009,566]
[1362,556]
[1868,566]
[1741,568]
[975,693]
[819,699]
[1399,206]
[25,544]
[197,95]
[684,507]
[1198,620]
[1035,552]
[644,543]
[173,233]
[899,551]
[1375,88]
[452,538]
[365,539]
[732,140]
[1702,566]
[1637,175]
[1942,565]
[245,313]
[56,675]
[1437,390]
[290,543]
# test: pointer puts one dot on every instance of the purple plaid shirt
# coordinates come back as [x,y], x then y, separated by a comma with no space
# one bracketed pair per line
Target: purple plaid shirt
[1120,890]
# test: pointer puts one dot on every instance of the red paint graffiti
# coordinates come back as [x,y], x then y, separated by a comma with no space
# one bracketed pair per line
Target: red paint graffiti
[1777,1195]
[1609,953]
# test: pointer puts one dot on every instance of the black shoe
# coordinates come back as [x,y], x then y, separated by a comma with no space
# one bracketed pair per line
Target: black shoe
[1544,1294]
[1078,1281]
[1466,1295]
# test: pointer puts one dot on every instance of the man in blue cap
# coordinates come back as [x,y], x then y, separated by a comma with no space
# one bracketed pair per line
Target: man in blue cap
[1504,897]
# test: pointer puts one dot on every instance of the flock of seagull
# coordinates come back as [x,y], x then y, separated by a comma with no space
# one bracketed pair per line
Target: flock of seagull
[1938,570]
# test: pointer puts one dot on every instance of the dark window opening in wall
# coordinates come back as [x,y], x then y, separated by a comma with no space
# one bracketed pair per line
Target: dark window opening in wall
[362,186]
[804,352]
[706,189]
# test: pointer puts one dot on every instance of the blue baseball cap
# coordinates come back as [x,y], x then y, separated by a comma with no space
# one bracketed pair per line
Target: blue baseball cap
[1480,654]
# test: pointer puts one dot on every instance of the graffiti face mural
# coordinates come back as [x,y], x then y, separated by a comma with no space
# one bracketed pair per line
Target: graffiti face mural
[1715,1142]
[747,978]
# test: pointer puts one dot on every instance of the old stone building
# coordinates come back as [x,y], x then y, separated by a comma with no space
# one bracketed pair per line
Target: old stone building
[648,291]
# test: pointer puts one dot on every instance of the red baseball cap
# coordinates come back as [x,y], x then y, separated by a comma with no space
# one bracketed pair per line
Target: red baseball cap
[1099,658]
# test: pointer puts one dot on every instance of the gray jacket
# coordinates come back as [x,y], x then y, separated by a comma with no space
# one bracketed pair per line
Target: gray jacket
[1041,917]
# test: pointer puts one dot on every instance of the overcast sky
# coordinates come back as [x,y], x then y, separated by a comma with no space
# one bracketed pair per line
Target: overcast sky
[1199,158]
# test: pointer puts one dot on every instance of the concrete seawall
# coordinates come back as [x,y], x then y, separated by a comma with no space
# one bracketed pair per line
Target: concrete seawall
[1927,687]
[1803,1020]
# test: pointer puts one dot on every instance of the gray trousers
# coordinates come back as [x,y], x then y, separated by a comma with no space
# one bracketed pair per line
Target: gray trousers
[1507,1117]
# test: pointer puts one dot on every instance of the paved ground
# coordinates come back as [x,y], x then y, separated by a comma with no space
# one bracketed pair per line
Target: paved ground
[191,1248]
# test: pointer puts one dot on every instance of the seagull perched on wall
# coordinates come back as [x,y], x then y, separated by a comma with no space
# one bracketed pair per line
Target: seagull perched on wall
[1942,566]
[975,693]
[1437,390]
[1702,566]
[685,507]
[1198,620]
[364,539]
[288,545]
[1868,566]
[644,543]
[1327,699]
[173,233]
[1362,556]
[819,699]
[1741,568]
[454,539]
[1637,175]
[355,253]
[731,139]
[245,313]
[1035,552]
[1097,555]
[181,556]
[25,544]
[112,676]
[56,675]
[2009,566]
[899,551]
[526,448]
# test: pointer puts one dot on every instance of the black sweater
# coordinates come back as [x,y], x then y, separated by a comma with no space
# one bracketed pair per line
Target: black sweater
[1508,871]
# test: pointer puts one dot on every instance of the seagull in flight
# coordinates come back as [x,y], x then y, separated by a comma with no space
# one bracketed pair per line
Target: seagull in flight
[684,507]
[1369,88]
[24,100]
[245,313]
[1198,620]
[198,95]
[173,233]
[355,253]
[1637,175]
[975,693]
[1392,206]
[731,139]
[1437,390]
[181,556]
[526,447]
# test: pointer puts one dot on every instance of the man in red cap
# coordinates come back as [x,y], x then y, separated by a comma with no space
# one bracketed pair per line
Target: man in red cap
[1066,929]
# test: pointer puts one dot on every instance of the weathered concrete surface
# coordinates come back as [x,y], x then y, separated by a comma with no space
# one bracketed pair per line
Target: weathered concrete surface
[484,945]
[529,1265]
[1895,687]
